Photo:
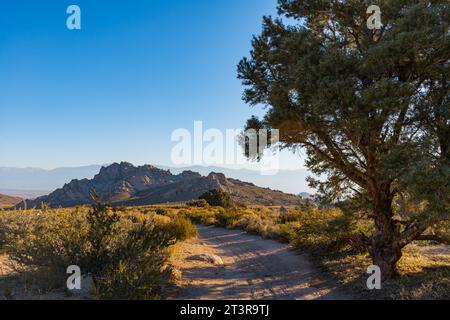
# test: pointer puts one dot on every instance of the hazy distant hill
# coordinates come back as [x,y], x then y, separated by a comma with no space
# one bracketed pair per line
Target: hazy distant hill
[39,180]
[126,184]
[24,194]
[290,181]
[306,195]
[8,201]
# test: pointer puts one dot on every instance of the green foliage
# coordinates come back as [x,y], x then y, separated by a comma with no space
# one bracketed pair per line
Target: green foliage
[51,241]
[101,232]
[291,216]
[201,203]
[228,218]
[138,268]
[330,230]
[324,230]
[370,108]
[134,244]
[442,230]
[162,211]
[217,198]
[181,228]
[126,252]
[203,216]
[287,232]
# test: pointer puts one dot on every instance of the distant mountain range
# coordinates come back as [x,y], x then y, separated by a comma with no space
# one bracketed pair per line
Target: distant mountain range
[129,185]
[24,194]
[31,183]
[289,181]
[20,181]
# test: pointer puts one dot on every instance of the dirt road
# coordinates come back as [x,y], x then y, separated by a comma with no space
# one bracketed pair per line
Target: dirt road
[254,268]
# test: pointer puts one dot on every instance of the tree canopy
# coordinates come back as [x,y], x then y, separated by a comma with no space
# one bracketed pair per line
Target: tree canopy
[370,107]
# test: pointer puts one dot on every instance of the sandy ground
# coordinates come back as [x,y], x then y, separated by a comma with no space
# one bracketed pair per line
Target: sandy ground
[5,269]
[254,268]
[432,251]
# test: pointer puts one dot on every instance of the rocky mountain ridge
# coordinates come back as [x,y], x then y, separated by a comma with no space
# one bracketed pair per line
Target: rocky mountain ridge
[126,184]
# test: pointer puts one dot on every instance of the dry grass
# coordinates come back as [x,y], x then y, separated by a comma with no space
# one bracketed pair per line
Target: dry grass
[424,269]
[125,251]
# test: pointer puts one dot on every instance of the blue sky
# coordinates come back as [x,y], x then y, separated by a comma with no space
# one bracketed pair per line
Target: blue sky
[115,90]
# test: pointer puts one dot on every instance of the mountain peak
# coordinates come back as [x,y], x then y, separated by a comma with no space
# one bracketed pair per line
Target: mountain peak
[119,171]
[219,177]
[126,184]
[189,174]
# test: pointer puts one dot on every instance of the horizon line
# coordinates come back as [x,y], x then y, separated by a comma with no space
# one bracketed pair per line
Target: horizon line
[155,165]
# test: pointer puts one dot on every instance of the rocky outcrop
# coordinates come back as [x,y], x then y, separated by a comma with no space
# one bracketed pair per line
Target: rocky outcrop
[126,184]
[210,258]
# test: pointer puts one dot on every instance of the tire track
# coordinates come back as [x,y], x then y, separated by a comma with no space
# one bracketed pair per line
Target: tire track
[254,269]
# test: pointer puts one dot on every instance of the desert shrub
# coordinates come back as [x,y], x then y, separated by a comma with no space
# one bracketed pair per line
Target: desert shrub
[2,237]
[217,198]
[200,203]
[287,232]
[210,220]
[239,205]
[181,228]
[314,230]
[251,223]
[271,231]
[228,218]
[442,230]
[161,221]
[126,254]
[201,216]
[139,268]
[162,211]
[291,216]
[6,220]
[262,225]
[40,240]
[329,229]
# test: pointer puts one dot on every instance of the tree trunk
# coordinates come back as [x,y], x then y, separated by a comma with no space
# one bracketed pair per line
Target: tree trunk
[386,248]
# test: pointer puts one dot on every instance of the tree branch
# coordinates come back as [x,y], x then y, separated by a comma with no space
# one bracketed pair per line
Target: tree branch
[412,232]
[430,237]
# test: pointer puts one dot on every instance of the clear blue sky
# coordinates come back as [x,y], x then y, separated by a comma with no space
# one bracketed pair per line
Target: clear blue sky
[116,89]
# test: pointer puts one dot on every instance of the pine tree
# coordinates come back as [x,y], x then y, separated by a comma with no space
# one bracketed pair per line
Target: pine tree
[370,107]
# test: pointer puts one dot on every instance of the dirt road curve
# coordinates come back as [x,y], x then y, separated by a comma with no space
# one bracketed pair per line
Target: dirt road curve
[254,268]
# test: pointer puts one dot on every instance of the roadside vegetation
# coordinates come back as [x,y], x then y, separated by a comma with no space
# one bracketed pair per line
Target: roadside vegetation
[126,251]
[337,243]
[369,109]
[123,252]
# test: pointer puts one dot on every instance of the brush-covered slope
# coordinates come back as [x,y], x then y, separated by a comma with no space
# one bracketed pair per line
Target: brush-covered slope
[8,201]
